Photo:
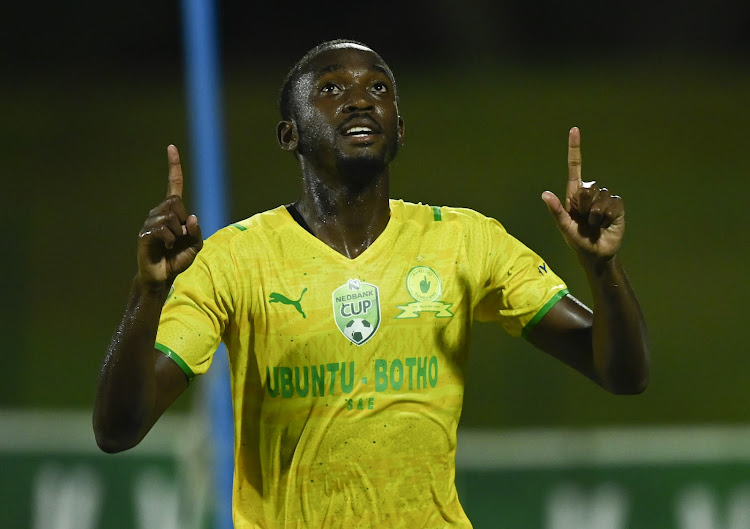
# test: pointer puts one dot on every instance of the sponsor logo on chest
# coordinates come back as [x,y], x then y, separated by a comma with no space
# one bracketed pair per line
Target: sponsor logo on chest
[356,310]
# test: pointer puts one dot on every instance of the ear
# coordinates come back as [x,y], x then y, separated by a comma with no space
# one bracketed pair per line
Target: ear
[286,133]
[400,131]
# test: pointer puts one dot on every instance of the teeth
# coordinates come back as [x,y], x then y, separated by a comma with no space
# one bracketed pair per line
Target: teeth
[359,130]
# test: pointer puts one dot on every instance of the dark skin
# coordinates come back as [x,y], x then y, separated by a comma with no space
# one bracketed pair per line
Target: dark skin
[345,132]
[345,177]
[609,344]
[137,383]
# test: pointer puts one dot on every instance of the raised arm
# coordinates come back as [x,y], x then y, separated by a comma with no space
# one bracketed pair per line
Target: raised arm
[137,383]
[608,344]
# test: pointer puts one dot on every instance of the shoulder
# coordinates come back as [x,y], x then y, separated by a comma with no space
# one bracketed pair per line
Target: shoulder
[448,216]
[269,220]
[256,225]
[226,241]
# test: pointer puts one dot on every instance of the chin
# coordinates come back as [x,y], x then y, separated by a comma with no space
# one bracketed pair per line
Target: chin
[363,168]
[367,161]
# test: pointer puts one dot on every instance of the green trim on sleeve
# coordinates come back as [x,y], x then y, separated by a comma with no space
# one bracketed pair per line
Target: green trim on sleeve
[239,227]
[177,360]
[437,214]
[544,310]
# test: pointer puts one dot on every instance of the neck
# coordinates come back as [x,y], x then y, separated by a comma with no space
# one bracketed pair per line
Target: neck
[347,215]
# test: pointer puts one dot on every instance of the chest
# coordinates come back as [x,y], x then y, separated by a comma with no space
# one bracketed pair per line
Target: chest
[412,293]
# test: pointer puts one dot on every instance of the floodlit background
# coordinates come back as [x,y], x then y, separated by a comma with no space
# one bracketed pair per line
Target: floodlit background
[91,93]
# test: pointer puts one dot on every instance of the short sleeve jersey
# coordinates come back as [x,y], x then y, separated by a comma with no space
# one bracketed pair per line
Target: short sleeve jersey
[348,375]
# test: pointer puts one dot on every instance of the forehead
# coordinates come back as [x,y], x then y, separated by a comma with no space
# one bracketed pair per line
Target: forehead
[345,57]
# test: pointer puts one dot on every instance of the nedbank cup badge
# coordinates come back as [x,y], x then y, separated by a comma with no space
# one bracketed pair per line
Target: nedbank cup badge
[425,287]
[356,310]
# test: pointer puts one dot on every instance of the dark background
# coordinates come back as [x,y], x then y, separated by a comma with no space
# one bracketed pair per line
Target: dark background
[91,94]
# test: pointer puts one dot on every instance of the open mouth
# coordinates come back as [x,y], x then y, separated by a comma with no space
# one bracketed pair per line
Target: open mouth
[359,131]
[360,127]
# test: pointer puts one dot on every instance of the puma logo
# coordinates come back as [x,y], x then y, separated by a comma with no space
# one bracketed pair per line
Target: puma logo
[281,298]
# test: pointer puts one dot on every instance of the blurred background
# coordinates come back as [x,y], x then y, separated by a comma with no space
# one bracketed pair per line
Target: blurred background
[91,94]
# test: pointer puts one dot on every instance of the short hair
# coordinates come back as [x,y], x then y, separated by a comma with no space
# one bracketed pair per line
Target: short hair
[285,97]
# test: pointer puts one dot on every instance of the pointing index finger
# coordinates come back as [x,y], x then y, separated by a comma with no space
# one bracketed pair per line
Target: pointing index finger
[175,172]
[574,162]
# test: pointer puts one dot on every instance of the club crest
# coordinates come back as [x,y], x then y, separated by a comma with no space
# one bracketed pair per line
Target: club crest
[424,285]
[356,310]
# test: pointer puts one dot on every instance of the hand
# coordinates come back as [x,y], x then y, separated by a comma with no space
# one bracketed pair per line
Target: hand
[170,238]
[593,220]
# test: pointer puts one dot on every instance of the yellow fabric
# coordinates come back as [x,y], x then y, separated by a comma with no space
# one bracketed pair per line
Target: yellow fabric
[331,434]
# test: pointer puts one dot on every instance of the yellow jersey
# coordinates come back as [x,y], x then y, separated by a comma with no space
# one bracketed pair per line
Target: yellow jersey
[348,375]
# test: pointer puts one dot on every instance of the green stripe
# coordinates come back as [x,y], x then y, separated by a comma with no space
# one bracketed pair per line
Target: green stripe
[436,213]
[544,310]
[177,360]
[239,227]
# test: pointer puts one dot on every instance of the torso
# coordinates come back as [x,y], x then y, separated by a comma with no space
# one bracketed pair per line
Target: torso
[355,372]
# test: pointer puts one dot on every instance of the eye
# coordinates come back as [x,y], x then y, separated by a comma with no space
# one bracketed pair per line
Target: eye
[380,88]
[330,88]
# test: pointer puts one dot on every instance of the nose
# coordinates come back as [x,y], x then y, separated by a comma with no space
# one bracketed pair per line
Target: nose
[359,100]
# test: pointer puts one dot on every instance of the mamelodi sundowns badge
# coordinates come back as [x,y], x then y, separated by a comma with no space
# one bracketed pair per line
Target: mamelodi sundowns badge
[356,310]
[425,287]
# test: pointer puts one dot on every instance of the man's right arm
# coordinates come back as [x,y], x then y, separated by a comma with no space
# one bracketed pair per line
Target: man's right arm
[137,383]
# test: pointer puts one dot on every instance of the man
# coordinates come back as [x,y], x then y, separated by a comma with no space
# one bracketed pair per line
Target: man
[347,315]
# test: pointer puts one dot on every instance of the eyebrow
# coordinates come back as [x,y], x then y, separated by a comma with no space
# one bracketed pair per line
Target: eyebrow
[329,68]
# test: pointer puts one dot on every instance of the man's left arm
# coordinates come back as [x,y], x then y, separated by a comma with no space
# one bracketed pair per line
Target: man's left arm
[609,344]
